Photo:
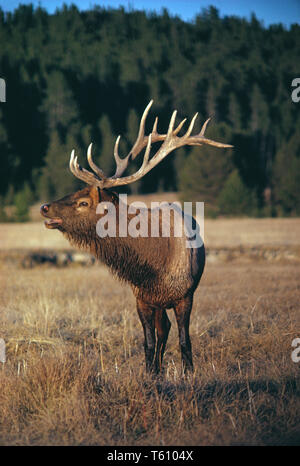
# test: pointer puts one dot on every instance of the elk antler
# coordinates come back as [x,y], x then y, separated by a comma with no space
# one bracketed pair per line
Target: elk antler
[170,142]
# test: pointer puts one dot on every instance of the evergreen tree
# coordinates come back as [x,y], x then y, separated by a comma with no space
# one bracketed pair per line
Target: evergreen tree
[59,104]
[234,113]
[3,214]
[56,180]
[236,198]
[287,177]
[259,117]
[22,201]
[206,170]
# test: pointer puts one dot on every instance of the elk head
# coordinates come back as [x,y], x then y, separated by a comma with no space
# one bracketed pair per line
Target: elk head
[78,211]
[78,206]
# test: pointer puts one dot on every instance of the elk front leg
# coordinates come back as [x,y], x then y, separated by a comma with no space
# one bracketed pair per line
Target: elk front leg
[182,312]
[147,318]
[162,325]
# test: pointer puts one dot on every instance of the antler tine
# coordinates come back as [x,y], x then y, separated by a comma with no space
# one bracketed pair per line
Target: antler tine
[84,174]
[140,172]
[81,173]
[121,163]
[140,142]
[203,129]
[171,125]
[190,128]
[71,162]
[147,152]
[154,129]
[141,134]
[146,156]
[116,150]
[176,131]
[93,166]
[198,141]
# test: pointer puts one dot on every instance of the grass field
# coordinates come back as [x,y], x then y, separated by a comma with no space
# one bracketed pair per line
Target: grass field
[74,371]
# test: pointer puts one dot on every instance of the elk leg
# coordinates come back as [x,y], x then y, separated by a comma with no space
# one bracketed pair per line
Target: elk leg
[162,325]
[147,318]
[182,312]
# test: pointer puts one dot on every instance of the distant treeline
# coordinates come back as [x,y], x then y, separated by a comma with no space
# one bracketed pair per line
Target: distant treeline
[74,77]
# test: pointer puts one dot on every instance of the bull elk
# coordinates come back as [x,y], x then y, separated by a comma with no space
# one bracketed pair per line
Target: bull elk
[162,271]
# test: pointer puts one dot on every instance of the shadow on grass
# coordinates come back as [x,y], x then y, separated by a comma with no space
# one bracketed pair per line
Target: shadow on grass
[228,389]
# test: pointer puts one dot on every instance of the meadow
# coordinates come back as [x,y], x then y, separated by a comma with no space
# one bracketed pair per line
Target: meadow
[75,373]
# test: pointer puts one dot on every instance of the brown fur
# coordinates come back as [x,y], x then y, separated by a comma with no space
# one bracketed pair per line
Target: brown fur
[162,272]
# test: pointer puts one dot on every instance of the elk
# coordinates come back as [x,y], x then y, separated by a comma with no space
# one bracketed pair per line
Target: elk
[162,271]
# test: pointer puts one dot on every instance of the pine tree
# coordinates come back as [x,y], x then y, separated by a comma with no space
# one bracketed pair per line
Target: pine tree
[236,198]
[206,170]
[259,118]
[287,177]
[234,113]
[22,201]
[59,104]
[56,180]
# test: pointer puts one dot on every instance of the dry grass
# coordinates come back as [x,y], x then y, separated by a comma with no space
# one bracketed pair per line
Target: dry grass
[74,373]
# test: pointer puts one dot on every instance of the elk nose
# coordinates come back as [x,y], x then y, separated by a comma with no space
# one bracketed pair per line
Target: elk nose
[45,208]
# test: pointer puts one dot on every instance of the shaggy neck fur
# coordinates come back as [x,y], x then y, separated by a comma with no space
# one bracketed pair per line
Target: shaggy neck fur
[126,257]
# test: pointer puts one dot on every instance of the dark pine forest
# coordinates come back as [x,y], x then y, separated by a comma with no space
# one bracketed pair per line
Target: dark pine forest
[79,76]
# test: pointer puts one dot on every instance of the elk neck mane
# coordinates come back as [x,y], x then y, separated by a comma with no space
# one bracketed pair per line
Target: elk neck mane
[131,259]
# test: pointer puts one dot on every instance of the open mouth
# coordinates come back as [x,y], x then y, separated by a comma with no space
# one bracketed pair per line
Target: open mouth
[53,222]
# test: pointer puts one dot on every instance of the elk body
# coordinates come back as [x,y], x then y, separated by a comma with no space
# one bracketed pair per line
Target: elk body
[162,271]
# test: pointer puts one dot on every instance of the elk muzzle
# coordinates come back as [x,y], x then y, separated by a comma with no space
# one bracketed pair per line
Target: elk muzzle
[50,223]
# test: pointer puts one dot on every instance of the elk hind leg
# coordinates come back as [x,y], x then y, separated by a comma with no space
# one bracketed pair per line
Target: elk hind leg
[182,312]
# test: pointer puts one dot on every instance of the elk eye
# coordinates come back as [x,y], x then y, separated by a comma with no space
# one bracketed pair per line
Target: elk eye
[83,204]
